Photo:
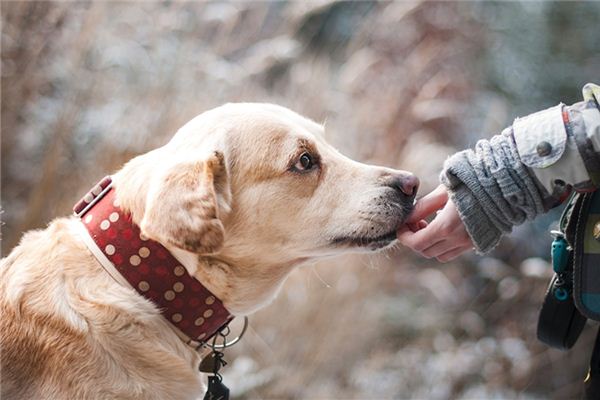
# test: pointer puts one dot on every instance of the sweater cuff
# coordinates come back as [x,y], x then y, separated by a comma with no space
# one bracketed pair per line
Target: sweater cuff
[484,235]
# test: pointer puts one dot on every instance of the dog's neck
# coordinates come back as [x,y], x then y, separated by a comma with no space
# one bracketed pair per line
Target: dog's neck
[241,291]
[246,290]
[134,260]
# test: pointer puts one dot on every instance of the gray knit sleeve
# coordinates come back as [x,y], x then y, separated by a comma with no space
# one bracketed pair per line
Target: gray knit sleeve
[492,189]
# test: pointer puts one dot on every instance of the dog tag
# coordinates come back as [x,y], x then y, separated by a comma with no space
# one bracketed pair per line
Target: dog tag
[211,364]
[216,389]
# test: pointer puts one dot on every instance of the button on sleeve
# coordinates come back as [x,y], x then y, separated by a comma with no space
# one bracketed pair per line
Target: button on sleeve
[541,137]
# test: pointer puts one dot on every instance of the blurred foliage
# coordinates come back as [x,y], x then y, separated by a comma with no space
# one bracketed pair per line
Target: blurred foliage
[87,85]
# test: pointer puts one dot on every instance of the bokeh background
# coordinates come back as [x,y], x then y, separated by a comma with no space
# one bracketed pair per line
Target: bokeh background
[86,86]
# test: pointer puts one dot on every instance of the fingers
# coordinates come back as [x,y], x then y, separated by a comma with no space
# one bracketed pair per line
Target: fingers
[445,237]
[439,230]
[454,253]
[454,241]
[440,248]
[428,204]
[417,226]
[420,240]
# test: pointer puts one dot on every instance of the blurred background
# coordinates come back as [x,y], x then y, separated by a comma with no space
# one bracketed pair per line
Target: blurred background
[86,86]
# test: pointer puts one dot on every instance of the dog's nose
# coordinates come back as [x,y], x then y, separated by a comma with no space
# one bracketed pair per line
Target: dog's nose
[405,183]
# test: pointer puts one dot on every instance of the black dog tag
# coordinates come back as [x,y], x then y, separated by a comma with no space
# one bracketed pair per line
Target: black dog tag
[216,389]
[211,364]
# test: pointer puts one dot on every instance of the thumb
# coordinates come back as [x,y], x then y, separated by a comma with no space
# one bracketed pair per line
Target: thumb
[429,204]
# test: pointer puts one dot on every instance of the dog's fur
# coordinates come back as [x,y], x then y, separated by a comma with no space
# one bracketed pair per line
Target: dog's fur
[228,198]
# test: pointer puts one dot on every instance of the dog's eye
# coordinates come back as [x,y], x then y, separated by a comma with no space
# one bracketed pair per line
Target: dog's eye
[305,162]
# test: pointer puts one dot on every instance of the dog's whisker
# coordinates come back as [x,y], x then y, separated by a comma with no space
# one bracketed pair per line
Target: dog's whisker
[327,285]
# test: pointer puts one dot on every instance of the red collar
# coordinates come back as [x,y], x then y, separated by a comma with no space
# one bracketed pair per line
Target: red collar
[148,267]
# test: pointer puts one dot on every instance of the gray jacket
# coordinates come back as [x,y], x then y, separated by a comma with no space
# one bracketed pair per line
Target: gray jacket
[526,170]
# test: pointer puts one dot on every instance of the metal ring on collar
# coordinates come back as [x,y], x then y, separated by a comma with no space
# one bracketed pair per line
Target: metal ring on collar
[227,344]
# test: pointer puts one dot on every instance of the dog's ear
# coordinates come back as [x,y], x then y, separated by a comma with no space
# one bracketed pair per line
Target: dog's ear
[182,207]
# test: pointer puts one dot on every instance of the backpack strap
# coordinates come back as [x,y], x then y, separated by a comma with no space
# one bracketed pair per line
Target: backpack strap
[586,260]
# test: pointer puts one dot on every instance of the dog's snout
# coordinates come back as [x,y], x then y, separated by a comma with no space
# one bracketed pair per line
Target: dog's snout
[408,184]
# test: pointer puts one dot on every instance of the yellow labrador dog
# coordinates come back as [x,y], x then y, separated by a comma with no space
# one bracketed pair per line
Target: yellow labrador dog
[239,197]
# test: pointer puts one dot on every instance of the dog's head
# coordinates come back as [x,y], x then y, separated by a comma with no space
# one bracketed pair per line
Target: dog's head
[257,185]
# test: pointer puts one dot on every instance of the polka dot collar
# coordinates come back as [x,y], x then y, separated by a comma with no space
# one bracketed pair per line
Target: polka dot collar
[148,267]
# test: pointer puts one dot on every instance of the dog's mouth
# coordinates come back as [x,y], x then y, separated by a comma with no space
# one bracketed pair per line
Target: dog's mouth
[376,241]
[373,243]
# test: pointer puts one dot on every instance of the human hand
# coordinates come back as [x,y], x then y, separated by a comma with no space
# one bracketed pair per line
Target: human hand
[444,238]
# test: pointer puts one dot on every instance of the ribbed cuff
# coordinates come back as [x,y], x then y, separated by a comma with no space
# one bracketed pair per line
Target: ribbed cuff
[484,235]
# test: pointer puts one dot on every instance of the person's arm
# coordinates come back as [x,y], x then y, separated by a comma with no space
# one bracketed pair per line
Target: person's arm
[513,177]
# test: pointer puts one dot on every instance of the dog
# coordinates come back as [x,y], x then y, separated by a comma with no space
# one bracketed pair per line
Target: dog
[239,197]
